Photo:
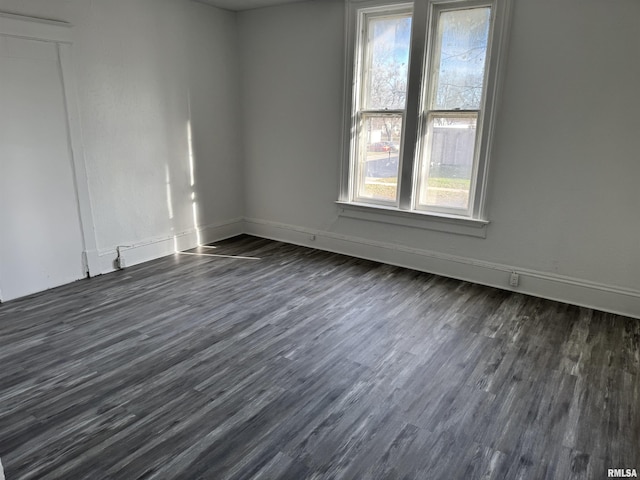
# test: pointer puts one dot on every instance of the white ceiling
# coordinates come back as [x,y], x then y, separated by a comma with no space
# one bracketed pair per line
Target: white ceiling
[246,4]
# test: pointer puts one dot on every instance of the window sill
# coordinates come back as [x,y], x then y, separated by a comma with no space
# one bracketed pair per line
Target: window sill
[428,221]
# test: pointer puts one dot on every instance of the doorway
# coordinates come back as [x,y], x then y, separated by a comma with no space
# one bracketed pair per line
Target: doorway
[42,243]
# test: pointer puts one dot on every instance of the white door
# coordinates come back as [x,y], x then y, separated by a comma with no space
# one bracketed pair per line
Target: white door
[40,234]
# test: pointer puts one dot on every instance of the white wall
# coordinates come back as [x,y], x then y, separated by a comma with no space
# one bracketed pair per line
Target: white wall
[292,77]
[145,70]
[563,200]
[263,91]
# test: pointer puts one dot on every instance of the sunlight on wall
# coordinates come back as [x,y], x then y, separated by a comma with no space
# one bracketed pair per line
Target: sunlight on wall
[194,204]
[169,199]
[167,177]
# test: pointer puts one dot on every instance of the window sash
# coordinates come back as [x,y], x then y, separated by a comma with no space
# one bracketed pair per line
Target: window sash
[364,160]
[367,52]
[362,68]
[432,56]
[426,160]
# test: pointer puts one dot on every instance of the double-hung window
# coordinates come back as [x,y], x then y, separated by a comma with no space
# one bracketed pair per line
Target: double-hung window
[423,79]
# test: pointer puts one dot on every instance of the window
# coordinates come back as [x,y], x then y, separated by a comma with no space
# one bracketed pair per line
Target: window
[381,104]
[423,82]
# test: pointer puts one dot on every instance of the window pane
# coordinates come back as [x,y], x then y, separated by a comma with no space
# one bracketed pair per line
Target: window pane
[378,157]
[386,62]
[447,167]
[461,49]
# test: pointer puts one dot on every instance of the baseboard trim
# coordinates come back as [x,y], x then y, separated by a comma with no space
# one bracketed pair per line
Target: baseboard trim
[158,247]
[608,298]
[91,259]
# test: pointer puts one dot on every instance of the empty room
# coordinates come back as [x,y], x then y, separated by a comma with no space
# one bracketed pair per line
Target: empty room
[319,239]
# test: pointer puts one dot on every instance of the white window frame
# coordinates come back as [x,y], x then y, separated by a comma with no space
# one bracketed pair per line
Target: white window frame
[405,210]
[360,113]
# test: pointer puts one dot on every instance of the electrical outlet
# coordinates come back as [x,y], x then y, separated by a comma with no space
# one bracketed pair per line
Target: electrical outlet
[312,238]
[514,279]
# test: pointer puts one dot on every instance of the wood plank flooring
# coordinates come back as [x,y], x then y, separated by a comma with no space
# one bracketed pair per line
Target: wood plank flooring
[303,364]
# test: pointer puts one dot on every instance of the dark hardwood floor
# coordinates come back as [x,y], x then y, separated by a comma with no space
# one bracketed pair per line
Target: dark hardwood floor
[308,365]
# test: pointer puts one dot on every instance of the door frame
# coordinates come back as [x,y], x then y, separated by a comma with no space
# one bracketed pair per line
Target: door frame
[61,34]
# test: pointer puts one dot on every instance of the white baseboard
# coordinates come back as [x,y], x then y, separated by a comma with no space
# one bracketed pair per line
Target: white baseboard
[608,298]
[158,247]
[221,231]
[575,291]
[91,262]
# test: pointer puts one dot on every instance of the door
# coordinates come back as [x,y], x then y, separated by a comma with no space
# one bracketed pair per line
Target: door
[41,239]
